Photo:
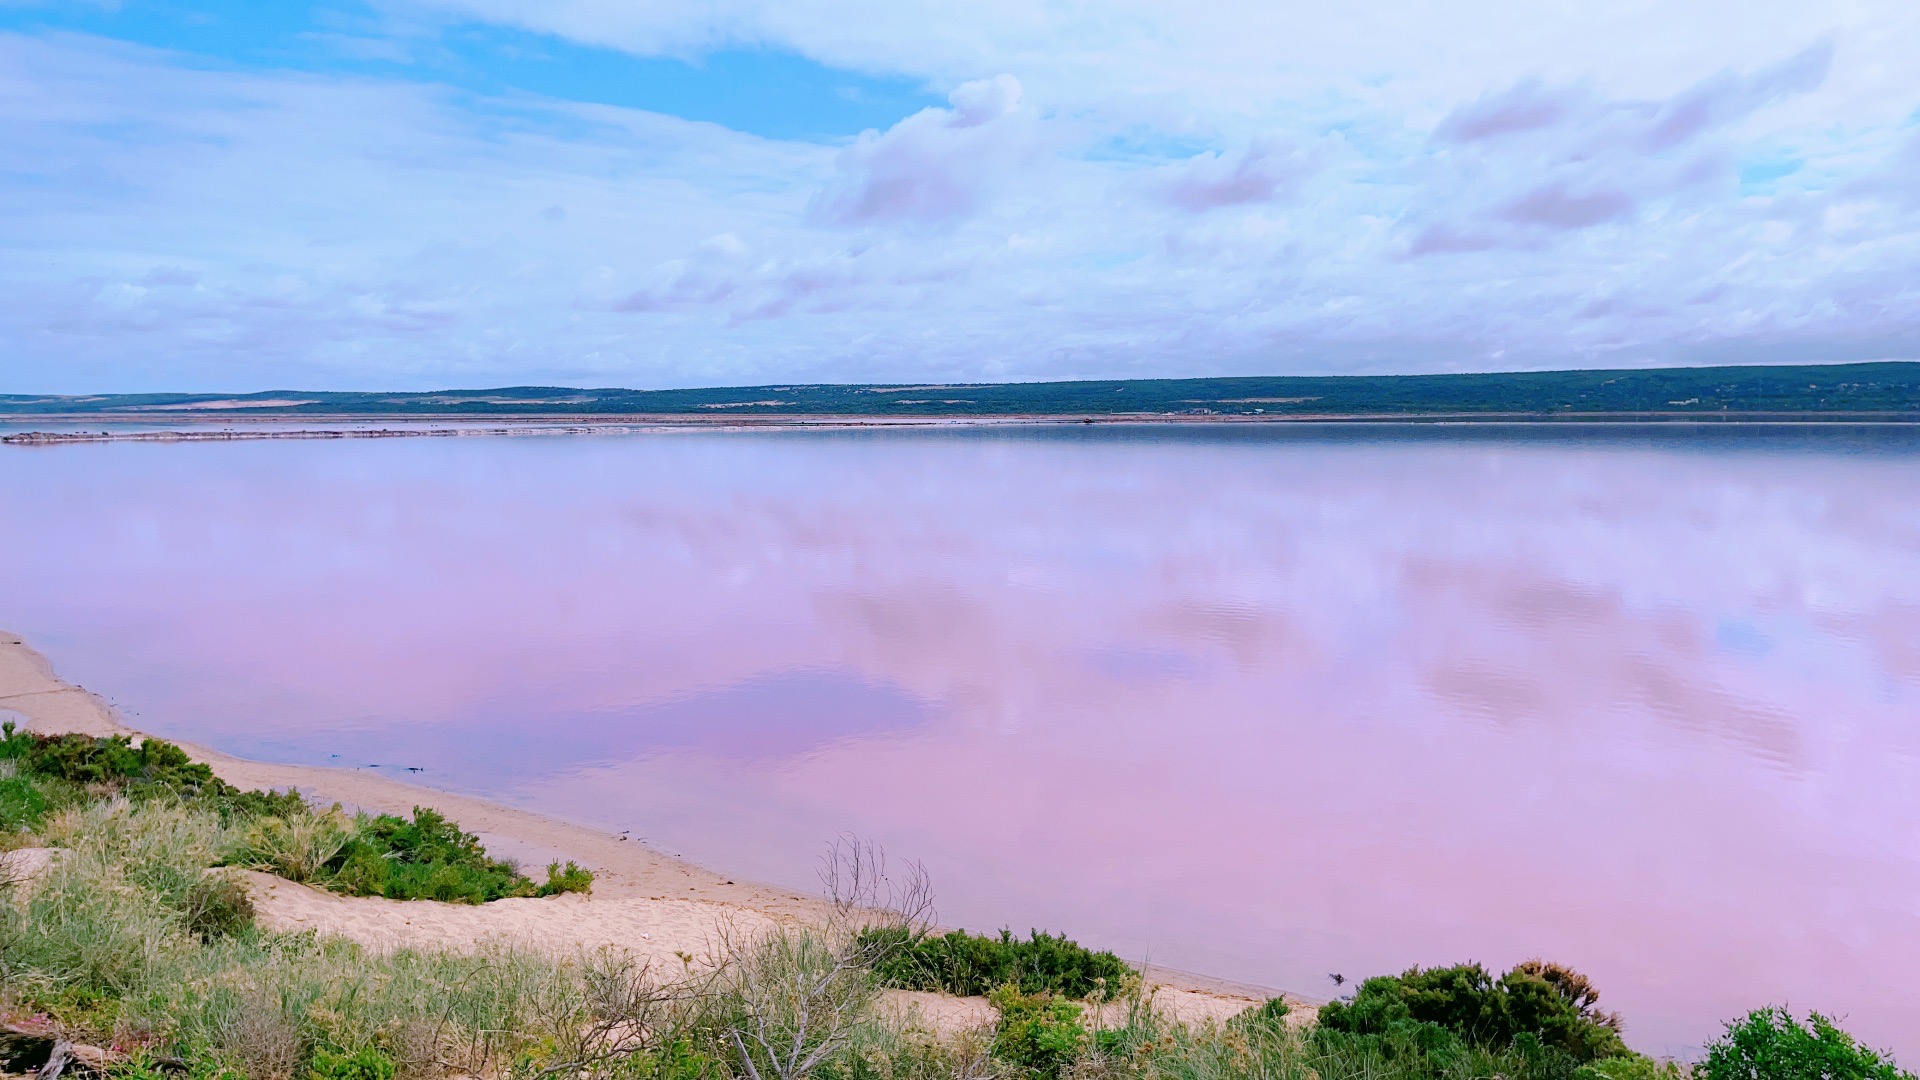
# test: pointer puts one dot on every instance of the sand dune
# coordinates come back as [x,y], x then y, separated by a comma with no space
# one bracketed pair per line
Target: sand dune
[659,931]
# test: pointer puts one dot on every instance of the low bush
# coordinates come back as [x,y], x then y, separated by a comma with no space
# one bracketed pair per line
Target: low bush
[1039,1033]
[218,905]
[148,769]
[1271,1013]
[570,878]
[426,858]
[1634,1067]
[971,965]
[1546,1002]
[1769,1044]
[1260,1046]
[23,806]
[363,1064]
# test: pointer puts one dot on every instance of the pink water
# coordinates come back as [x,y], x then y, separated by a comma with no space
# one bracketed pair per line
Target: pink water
[1267,705]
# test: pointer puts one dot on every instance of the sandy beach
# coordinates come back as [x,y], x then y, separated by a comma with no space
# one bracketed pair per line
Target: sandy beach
[652,904]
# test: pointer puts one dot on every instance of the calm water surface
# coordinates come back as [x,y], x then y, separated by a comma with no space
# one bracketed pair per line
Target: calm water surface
[1266,704]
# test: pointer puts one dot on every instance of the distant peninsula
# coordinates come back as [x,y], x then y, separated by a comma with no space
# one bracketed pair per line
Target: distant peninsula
[1888,391]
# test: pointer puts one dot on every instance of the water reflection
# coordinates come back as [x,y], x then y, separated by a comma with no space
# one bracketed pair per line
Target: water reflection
[1266,704]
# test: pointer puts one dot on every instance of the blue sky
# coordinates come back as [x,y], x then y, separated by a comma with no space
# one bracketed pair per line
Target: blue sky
[431,193]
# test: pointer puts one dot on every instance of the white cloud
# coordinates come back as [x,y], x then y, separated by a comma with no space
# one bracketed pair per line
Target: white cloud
[934,166]
[1535,159]
[1242,64]
[1262,172]
[1378,188]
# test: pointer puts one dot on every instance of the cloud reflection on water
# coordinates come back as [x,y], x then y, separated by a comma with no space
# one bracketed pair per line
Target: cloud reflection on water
[1263,704]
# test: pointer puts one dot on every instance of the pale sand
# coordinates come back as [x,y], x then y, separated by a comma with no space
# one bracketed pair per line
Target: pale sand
[649,903]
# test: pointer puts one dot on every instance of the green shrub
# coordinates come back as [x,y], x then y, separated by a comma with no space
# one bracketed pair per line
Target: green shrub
[677,1059]
[364,1064]
[569,879]
[428,858]
[1633,1067]
[1039,1033]
[152,769]
[971,965]
[111,759]
[218,905]
[22,804]
[1271,1013]
[1547,1002]
[425,858]
[1769,1044]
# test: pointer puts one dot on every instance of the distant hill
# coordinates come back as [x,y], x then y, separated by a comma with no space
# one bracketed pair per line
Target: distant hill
[1877,388]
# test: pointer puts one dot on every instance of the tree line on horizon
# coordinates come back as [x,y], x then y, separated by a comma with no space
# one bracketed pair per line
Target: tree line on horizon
[1888,388]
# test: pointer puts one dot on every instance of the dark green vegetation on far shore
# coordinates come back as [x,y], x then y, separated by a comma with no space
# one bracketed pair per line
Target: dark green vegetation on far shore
[1890,388]
[137,941]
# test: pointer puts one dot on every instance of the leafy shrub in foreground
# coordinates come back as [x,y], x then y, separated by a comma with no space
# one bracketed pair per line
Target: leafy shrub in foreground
[971,965]
[1039,1033]
[364,1064]
[1769,1044]
[1550,1003]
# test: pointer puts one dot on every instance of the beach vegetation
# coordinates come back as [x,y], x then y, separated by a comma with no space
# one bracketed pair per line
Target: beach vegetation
[140,936]
[298,846]
[1548,1004]
[1039,1034]
[571,878]
[1147,1044]
[142,769]
[218,905]
[1769,1044]
[973,965]
[425,857]
[22,804]
[1269,1014]
[365,1063]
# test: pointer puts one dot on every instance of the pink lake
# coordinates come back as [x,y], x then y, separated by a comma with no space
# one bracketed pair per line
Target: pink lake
[1263,703]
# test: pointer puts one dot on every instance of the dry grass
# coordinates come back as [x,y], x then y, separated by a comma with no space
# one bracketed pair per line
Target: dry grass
[297,848]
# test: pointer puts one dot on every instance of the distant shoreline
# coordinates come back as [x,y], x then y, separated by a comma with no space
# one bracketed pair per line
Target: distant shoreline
[236,428]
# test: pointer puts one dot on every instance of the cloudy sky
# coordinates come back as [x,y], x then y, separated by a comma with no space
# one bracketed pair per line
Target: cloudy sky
[411,194]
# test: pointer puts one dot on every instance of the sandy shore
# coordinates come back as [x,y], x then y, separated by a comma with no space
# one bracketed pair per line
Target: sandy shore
[196,426]
[650,903]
